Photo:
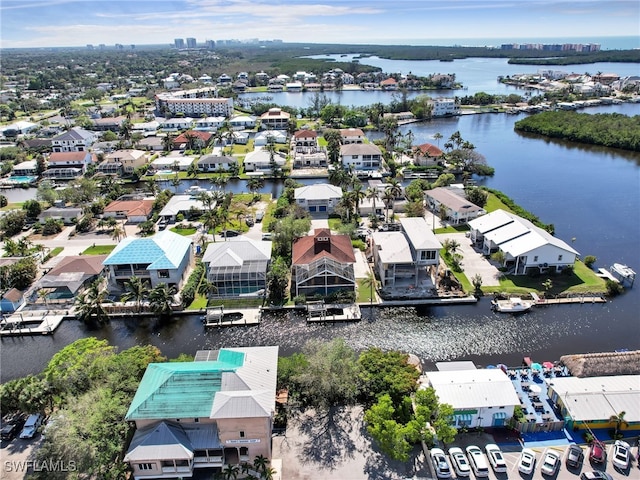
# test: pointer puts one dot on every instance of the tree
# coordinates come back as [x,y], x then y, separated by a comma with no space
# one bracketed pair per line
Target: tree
[12,222]
[499,257]
[477,196]
[167,143]
[33,208]
[619,421]
[89,303]
[278,281]
[370,282]
[386,373]
[161,299]
[390,435]
[136,290]
[23,273]
[373,194]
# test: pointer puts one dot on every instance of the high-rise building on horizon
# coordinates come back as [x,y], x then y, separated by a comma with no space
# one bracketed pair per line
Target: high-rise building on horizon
[191,42]
[178,43]
[211,44]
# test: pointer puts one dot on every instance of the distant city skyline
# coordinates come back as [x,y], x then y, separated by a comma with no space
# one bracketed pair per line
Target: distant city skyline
[60,23]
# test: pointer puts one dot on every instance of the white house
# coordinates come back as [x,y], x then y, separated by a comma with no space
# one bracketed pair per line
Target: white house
[318,198]
[260,161]
[74,140]
[451,203]
[351,135]
[443,107]
[176,124]
[267,136]
[215,163]
[479,397]
[209,124]
[361,157]
[526,247]
[275,119]
[180,163]
[240,122]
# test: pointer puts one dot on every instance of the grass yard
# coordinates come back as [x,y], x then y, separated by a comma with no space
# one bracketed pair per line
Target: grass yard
[99,250]
[494,203]
[363,294]
[184,231]
[199,303]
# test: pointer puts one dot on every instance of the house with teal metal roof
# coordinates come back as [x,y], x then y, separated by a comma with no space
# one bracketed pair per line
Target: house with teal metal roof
[214,411]
[162,258]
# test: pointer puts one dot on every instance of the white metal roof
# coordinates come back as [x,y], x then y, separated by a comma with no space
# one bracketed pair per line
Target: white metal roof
[318,191]
[598,398]
[474,388]
[236,251]
[491,221]
[392,247]
[419,233]
[507,232]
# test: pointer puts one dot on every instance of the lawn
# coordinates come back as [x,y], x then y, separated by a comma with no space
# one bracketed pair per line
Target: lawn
[99,250]
[453,229]
[184,231]
[494,203]
[199,303]
[363,293]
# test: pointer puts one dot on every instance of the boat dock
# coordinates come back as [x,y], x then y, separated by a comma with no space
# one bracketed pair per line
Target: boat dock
[31,322]
[219,317]
[540,302]
[322,312]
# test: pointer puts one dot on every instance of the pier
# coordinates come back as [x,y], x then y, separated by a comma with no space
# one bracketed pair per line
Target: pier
[32,322]
[540,302]
[216,317]
[333,313]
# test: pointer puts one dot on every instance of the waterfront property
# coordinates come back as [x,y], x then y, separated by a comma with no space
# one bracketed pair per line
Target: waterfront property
[318,198]
[133,211]
[260,161]
[162,258]
[71,160]
[186,205]
[451,203]
[129,159]
[479,397]
[590,403]
[69,275]
[11,300]
[237,267]
[275,119]
[322,263]
[75,139]
[427,155]
[217,163]
[361,157]
[351,135]
[68,215]
[527,248]
[214,411]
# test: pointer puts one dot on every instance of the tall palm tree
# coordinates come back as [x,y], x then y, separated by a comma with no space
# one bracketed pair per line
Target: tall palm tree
[117,233]
[358,195]
[254,184]
[230,472]
[167,143]
[161,299]
[388,199]
[260,463]
[136,290]
[373,194]
[437,137]
[89,304]
[370,282]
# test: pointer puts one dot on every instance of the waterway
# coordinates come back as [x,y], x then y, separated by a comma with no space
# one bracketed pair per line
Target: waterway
[590,194]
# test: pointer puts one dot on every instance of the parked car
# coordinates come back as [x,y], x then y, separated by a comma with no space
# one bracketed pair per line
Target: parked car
[440,463]
[11,425]
[459,462]
[477,462]
[259,215]
[249,221]
[550,463]
[597,452]
[597,475]
[494,454]
[267,236]
[229,233]
[527,461]
[621,456]
[575,456]
[31,425]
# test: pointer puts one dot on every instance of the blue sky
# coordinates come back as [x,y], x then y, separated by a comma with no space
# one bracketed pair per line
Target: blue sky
[36,23]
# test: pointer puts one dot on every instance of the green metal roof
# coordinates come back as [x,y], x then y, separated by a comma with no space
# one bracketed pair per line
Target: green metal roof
[181,389]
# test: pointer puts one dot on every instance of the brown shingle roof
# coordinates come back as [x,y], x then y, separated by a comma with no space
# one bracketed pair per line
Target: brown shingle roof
[305,250]
[183,138]
[131,207]
[14,295]
[56,157]
[430,150]
[90,264]
[305,134]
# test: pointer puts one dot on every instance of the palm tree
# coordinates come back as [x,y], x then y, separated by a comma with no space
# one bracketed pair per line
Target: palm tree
[161,299]
[388,199]
[89,303]
[437,137]
[268,473]
[167,143]
[193,171]
[206,288]
[619,420]
[370,282]
[117,233]
[230,472]
[373,194]
[260,463]
[254,184]
[358,195]
[151,187]
[137,290]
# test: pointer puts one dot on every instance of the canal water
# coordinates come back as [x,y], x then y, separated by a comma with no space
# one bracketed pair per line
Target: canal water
[590,194]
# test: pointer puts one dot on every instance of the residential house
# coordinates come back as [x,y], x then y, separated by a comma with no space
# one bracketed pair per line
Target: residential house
[240,122]
[153,144]
[322,263]
[351,135]
[69,276]
[306,152]
[305,139]
[26,168]
[361,157]
[217,163]
[172,163]
[427,155]
[209,124]
[129,159]
[145,128]
[260,161]
[109,168]
[193,139]
[75,139]
[11,300]
[68,215]
[212,412]
[275,119]
[269,136]
[527,248]
[133,211]
[450,204]
[240,138]
[293,87]
[389,84]
[108,123]
[479,397]
[162,258]
[318,198]
[176,124]
[80,160]
[237,267]
[444,107]
[186,205]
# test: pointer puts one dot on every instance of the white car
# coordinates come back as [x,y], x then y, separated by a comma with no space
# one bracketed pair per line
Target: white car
[621,455]
[527,461]
[550,463]
[494,454]
[477,462]
[440,463]
[31,426]
[459,462]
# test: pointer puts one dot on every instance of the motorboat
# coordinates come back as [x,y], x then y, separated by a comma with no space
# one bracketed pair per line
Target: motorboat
[512,305]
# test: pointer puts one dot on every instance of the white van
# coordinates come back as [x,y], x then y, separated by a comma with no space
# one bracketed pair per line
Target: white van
[494,454]
[477,461]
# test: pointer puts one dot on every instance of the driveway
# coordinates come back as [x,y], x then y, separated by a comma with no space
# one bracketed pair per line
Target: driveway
[473,262]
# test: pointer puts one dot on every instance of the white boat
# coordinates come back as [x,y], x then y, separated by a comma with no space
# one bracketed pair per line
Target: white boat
[512,305]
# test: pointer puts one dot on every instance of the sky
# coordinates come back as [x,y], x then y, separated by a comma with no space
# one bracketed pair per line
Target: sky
[57,23]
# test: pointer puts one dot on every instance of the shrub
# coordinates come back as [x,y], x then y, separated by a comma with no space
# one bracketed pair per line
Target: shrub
[613,288]
[589,260]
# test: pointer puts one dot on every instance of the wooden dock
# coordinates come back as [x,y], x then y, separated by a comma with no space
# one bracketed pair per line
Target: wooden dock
[541,302]
[31,322]
[335,313]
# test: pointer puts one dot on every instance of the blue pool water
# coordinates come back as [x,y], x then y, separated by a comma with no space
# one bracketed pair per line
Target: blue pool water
[23,179]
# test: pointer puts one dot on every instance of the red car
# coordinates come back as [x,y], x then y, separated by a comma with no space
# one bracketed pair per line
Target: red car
[597,452]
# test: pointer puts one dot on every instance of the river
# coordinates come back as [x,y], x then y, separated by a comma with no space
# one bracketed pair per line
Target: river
[590,194]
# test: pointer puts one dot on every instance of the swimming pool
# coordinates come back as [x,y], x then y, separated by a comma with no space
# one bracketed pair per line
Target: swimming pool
[22,179]
[164,172]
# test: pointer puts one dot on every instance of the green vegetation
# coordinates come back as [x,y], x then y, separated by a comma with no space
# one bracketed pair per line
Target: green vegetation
[329,376]
[99,250]
[185,231]
[606,129]
[88,386]
[517,209]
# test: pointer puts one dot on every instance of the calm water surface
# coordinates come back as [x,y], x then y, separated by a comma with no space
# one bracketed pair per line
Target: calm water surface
[590,194]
